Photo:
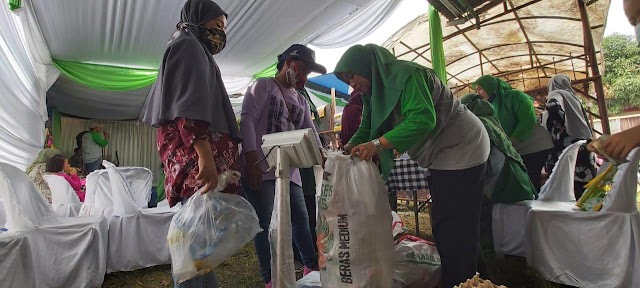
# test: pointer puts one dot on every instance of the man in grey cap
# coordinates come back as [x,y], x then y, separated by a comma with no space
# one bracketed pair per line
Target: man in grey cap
[92,144]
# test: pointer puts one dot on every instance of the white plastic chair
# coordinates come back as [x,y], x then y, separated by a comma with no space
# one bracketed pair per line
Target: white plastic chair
[67,251]
[64,199]
[591,249]
[137,236]
[509,220]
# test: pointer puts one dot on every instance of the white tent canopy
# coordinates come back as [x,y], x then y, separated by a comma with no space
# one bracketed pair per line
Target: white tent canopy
[134,34]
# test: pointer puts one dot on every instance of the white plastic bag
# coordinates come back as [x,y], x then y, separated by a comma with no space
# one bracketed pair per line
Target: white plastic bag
[397,225]
[417,264]
[355,239]
[210,228]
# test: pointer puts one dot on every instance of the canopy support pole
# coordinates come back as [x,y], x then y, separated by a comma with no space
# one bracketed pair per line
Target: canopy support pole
[590,51]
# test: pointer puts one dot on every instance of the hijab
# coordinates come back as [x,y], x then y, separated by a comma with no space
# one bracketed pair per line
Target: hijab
[494,86]
[195,14]
[483,109]
[189,83]
[575,116]
[43,156]
[388,77]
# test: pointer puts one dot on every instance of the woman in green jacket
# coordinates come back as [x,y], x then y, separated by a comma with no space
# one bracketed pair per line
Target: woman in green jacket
[406,107]
[514,109]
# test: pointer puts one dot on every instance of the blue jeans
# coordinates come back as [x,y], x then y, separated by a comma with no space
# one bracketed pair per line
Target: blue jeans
[262,201]
[93,166]
[204,281]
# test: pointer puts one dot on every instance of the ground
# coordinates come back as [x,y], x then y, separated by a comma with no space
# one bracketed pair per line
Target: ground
[241,270]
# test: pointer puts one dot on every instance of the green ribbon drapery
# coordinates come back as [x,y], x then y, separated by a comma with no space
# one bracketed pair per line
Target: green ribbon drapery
[105,77]
[437,45]
[267,72]
[56,127]
[15,4]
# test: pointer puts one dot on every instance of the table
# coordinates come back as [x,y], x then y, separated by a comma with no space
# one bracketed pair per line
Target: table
[407,175]
[16,263]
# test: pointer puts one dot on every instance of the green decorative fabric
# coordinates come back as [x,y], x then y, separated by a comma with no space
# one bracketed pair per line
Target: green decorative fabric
[56,127]
[437,45]
[512,107]
[160,189]
[339,102]
[105,77]
[268,72]
[388,78]
[15,4]
[514,184]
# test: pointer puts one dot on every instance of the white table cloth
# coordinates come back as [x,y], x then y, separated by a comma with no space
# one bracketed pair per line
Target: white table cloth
[509,220]
[590,249]
[3,214]
[16,262]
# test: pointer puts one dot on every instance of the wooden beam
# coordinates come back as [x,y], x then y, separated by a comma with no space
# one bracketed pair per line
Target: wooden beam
[541,66]
[589,49]
[532,51]
[519,43]
[507,57]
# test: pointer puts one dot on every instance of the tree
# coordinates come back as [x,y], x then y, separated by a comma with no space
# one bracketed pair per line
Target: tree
[622,72]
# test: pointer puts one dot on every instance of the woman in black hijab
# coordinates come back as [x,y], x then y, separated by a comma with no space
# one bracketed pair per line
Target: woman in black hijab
[197,134]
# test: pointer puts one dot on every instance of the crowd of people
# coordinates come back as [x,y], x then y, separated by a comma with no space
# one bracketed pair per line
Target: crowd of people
[493,139]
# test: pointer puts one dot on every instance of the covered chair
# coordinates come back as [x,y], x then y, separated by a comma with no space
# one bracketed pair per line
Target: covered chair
[137,236]
[591,249]
[67,251]
[99,198]
[64,199]
[16,262]
[509,220]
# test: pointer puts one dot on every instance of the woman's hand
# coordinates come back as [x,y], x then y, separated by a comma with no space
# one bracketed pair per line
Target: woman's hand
[619,145]
[208,173]
[254,175]
[347,148]
[365,151]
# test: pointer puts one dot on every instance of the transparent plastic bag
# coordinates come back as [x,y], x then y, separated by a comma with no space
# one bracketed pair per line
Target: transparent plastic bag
[210,228]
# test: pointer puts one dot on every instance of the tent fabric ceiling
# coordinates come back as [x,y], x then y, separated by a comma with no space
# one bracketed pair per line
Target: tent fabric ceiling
[131,33]
[548,30]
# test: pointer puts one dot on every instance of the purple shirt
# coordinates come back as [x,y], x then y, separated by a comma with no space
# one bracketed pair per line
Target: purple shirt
[264,111]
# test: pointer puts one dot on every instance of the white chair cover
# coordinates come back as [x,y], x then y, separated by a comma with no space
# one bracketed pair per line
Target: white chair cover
[509,220]
[64,199]
[137,236]
[140,181]
[559,186]
[69,252]
[3,215]
[622,197]
[590,249]
[97,199]
[16,262]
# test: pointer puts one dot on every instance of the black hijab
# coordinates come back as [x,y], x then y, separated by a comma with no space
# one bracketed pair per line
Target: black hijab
[195,13]
[189,83]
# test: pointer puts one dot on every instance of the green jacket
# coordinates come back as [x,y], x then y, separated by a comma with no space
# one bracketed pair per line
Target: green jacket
[513,108]
[513,184]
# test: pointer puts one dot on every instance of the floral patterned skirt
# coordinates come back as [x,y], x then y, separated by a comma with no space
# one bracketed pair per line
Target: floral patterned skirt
[175,145]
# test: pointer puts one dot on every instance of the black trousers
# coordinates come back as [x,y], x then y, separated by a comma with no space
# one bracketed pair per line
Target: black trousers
[534,163]
[457,197]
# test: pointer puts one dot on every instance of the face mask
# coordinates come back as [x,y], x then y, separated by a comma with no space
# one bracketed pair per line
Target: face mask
[492,97]
[294,77]
[217,40]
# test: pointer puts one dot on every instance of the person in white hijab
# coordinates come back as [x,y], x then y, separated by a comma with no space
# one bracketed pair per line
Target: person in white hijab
[566,120]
